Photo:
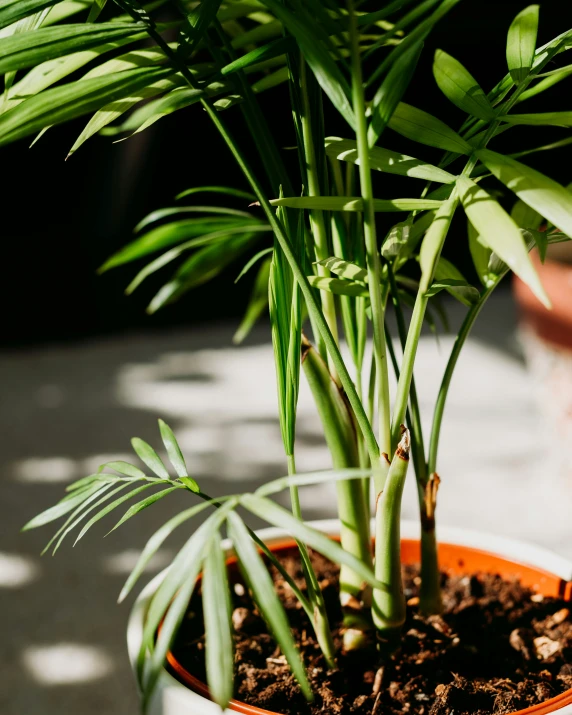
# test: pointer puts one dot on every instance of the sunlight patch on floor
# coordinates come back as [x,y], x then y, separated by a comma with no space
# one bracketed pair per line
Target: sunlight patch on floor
[66,663]
[17,571]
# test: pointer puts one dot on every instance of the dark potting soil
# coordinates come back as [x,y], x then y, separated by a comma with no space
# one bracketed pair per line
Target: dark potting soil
[496,649]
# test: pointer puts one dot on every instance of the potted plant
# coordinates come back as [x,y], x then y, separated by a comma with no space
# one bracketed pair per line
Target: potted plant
[346,629]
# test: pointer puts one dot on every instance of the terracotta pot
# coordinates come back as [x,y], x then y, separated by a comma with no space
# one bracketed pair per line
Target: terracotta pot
[460,551]
[546,336]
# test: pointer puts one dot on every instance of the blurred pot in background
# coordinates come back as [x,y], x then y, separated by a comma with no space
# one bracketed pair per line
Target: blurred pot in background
[547,340]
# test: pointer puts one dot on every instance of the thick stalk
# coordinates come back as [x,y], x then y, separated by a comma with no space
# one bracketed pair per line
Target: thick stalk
[339,431]
[373,261]
[389,604]
[317,219]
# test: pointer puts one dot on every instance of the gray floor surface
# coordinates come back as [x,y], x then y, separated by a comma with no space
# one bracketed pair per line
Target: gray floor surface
[67,409]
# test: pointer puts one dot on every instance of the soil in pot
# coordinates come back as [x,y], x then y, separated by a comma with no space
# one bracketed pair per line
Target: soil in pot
[497,648]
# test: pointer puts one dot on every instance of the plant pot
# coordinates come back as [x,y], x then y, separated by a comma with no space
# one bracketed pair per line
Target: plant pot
[546,336]
[460,551]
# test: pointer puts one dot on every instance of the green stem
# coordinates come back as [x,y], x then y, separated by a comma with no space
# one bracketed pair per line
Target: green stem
[339,431]
[462,336]
[389,604]
[433,244]
[317,221]
[372,254]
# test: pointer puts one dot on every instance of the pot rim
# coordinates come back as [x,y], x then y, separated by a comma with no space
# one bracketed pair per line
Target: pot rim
[520,553]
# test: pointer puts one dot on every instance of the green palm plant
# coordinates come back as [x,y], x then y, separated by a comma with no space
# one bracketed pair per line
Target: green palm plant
[312,236]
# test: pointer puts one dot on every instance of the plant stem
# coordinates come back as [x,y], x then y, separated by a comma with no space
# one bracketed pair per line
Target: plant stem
[370,236]
[389,604]
[464,331]
[317,222]
[339,430]
[434,239]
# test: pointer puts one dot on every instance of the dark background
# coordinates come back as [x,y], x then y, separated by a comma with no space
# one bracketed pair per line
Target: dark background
[60,219]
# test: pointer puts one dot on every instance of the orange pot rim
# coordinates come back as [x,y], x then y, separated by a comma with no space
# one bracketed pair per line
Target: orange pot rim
[483,558]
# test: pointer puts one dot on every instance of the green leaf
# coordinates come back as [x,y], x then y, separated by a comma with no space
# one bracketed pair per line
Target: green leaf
[396,240]
[248,265]
[422,127]
[271,80]
[155,542]
[178,98]
[480,254]
[278,516]
[545,195]
[521,43]
[345,269]
[171,600]
[211,238]
[389,161]
[259,581]
[310,478]
[165,236]
[467,294]
[319,59]
[434,239]
[69,101]
[129,470]
[258,302]
[28,49]
[191,484]
[460,87]
[455,283]
[554,119]
[110,112]
[228,190]
[204,265]
[549,81]
[339,286]
[391,91]
[147,454]
[13,10]
[272,49]
[80,512]
[161,214]
[525,217]
[110,507]
[354,203]
[64,506]
[143,504]
[219,644]
[173,449]
[499,232]
[48,73]
[197,22]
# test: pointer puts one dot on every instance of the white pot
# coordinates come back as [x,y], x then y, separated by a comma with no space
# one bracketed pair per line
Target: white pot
[173,698]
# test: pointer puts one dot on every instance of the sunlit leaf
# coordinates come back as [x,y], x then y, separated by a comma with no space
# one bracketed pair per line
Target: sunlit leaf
[219,644]
[28,49]
[422,127]
[354,203]
[460,87]
[549,198]
[389,161]
[147,454]
[521,43]
[498,230]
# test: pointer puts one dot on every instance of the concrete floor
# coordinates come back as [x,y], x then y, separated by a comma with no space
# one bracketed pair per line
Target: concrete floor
[67,409]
